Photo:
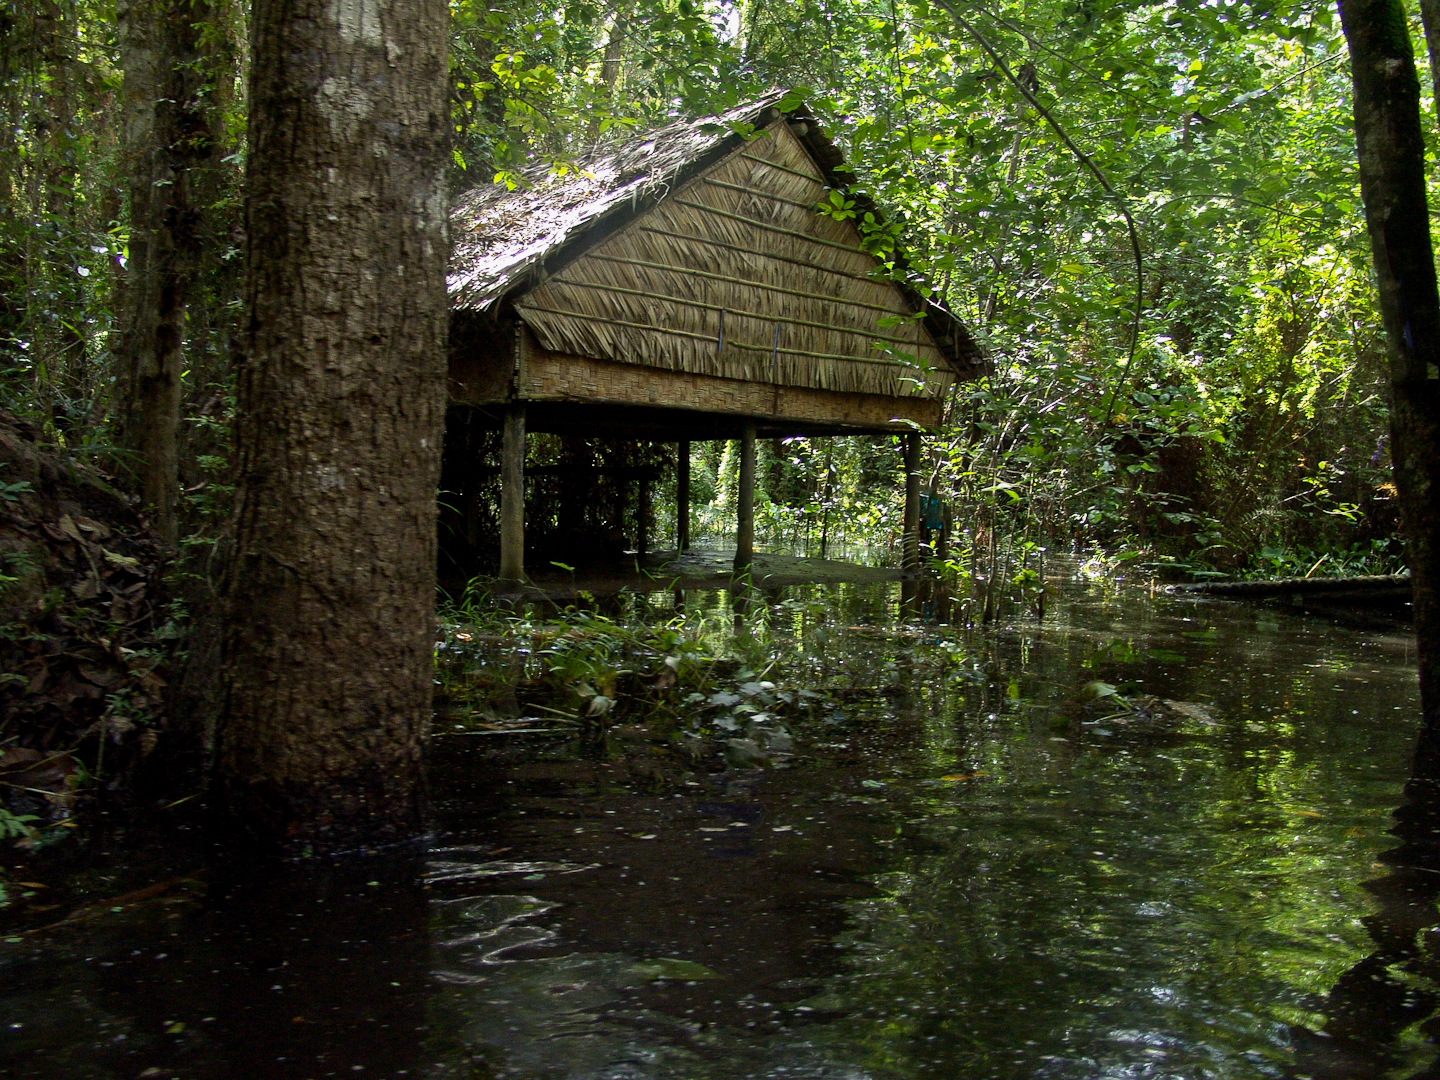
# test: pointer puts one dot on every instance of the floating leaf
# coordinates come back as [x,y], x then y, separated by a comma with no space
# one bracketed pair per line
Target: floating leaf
[667,968]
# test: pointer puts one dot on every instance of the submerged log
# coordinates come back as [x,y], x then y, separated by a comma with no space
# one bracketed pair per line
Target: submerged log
[1387,584]
[1373,601]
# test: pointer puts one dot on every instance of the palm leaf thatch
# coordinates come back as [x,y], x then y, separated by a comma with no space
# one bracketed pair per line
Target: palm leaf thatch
[698,248]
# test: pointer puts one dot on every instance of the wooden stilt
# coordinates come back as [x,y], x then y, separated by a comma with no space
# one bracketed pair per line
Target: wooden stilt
[512,496]
[910,541]
[825,495]
[745,504]
[682,498]
[642,519]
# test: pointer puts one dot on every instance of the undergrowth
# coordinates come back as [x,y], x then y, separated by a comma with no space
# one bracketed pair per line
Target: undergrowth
[714,687]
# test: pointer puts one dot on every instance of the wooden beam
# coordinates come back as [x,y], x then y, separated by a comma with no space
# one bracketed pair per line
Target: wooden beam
[562,377]
[623,472]
[910,541]
[512,496]
[745,504]
[682,497]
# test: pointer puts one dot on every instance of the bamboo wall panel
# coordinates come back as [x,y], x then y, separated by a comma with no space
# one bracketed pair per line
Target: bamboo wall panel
[735,276]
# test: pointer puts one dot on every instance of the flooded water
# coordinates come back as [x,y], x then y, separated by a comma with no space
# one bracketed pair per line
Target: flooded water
[980,862]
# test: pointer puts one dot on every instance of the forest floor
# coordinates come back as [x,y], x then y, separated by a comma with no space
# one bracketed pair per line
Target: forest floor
[87,635]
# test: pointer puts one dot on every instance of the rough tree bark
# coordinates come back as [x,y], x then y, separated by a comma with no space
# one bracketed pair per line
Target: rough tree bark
[328,643]
[613,64]
[168,135]
[1392,180]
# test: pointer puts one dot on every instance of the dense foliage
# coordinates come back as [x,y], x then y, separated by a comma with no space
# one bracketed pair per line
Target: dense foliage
[1147,212]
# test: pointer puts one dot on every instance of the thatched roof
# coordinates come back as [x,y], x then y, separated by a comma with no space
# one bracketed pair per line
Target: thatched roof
[510,243]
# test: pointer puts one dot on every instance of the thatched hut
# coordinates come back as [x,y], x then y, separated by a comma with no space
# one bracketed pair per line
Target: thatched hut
[686,285]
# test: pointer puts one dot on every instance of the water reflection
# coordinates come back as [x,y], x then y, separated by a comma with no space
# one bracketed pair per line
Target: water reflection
[1136,840]
[1392,988]
[257,971]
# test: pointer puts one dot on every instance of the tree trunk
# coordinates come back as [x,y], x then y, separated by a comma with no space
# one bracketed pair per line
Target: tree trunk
[1392,180]
[330,603]
[168,137]
[613,63]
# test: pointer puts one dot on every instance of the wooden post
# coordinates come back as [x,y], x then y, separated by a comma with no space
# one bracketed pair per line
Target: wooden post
[910,541]
[642,518]
[512,496]
[745,504]
[682,499]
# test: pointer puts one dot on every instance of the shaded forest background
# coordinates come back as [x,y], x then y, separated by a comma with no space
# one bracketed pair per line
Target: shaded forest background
[1148,213]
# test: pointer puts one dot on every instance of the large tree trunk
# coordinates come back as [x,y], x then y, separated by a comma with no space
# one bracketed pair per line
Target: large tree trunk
[1392,180]
[168,135]
[329,637]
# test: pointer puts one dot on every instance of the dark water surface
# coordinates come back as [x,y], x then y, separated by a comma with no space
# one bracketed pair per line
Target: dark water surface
[969,870]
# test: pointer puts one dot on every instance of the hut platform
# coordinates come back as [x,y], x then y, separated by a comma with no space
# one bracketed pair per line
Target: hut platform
[698,568]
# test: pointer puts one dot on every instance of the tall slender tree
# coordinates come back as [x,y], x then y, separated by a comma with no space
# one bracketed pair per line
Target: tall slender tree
[329,643]
[169,136]
[1392,181]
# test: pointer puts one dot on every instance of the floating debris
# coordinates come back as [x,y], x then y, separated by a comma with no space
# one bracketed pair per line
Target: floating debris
[462,871]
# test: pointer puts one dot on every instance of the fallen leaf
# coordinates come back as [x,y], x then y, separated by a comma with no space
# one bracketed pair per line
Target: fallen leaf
[86,589]
[962,776]
[668,968]
[106,677]
[17,757]
[120,560]
[101,531]
[1191,711]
